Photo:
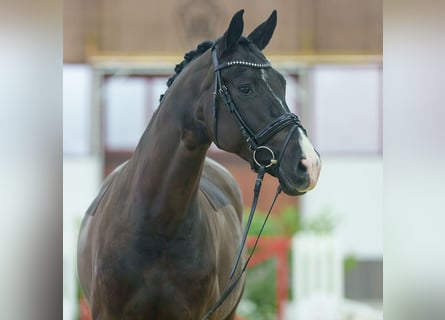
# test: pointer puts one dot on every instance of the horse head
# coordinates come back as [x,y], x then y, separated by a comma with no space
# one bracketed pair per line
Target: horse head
[246,112]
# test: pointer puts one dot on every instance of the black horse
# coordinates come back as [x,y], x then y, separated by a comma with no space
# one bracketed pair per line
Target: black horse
[160,239]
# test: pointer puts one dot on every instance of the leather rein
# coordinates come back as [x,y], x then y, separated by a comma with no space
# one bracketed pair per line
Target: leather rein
[256,142]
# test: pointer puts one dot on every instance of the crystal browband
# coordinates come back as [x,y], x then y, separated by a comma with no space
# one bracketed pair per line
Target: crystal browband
[243,63]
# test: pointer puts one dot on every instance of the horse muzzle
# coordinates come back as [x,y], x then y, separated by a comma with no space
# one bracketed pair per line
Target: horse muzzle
[301,178]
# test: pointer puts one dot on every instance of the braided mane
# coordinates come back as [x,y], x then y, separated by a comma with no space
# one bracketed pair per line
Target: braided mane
[189,56]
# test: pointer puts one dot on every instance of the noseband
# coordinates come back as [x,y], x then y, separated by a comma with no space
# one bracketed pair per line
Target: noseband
[256,142]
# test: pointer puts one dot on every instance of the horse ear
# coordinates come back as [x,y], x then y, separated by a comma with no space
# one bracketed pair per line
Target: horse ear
[233,33]
[263,33]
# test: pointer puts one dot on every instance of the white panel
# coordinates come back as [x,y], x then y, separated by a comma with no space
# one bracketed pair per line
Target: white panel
[347,109]
[81,179]
[76,109]
[158,86]
[125,112]
[294,94]
[350,189]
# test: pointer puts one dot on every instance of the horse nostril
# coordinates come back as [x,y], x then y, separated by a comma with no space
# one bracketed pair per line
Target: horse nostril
[302,165]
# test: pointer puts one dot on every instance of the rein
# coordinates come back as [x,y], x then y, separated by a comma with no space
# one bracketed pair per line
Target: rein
[230,285]
[256,143]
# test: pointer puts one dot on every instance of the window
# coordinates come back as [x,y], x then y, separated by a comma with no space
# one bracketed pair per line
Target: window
[129,103]
[76,109]
[346,109]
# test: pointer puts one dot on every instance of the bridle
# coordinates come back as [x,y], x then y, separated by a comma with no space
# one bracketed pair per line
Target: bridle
[256,142]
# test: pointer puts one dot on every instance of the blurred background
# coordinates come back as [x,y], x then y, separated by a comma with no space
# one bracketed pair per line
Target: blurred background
[322,253]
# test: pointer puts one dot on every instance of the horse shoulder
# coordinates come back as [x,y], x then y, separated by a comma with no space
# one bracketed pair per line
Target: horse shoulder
[219,186]
[87,231]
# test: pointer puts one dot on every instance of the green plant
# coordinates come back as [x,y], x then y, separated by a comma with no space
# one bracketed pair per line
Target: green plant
[258,302]
[286,223]
[323,223]
[349,262]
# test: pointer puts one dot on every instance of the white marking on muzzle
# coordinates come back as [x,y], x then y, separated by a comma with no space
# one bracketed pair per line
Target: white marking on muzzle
[263,76]
[310,159]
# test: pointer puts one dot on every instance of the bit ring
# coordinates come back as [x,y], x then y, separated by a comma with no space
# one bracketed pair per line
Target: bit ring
[272,160]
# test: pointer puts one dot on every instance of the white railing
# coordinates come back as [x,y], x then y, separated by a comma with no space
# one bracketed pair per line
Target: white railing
[317,278]
[317,282]
[352,310]
[317,266]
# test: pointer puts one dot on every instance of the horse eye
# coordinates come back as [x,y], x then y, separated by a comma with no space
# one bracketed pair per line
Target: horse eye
[245,89]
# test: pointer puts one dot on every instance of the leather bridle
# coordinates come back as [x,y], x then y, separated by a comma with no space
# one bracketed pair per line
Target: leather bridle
[256,142]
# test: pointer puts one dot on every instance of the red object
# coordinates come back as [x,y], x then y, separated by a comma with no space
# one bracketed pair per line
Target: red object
[84,312]
[268,247]
[277,248]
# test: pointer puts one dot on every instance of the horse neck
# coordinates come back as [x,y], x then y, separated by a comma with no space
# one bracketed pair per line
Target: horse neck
[168,161]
